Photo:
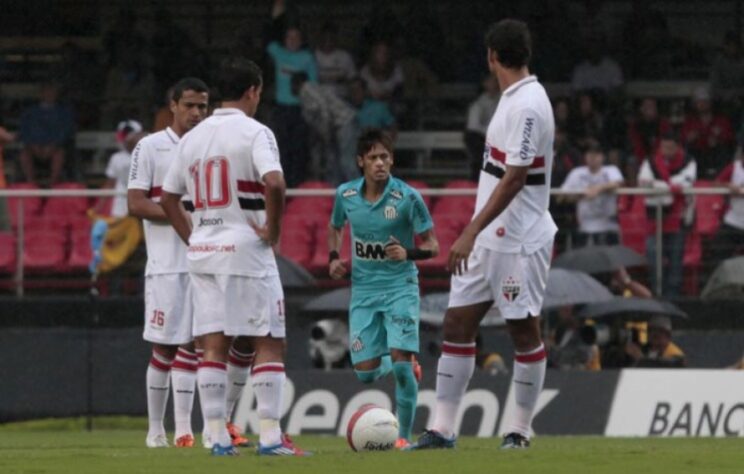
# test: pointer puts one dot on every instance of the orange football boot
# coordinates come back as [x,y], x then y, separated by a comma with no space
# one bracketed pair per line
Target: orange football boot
[237,437]
[402,443]
[185,441]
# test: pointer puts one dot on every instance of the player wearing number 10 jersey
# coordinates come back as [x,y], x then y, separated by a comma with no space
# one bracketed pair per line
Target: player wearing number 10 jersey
[229,165]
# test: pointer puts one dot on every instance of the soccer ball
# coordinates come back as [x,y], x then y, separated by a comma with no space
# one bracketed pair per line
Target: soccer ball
[372,428]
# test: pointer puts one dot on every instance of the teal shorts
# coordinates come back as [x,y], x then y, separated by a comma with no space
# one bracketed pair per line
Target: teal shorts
[382,321]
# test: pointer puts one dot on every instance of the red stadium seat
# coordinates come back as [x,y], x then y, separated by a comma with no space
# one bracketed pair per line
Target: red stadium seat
[456,204]
[54,225]
[44,252]
[297,240]
[31,205]
[67,207]
[7,252]
[80,251]
[446,235]
[313,204]
[419,186]
[708,210]
[631,215]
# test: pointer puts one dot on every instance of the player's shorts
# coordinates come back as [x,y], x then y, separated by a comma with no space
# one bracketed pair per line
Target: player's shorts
[238,305]
[514,282]
[382,321]
[168,309]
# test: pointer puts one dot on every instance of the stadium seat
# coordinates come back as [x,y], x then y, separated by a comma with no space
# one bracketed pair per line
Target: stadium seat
[44,252]
[67,207]
[52,224]
[80,250]
[446,235]
[7,252]
[31,205]
[313,204]
[419,186]
[456,204]
[708,210]
[631,215]
[297,240]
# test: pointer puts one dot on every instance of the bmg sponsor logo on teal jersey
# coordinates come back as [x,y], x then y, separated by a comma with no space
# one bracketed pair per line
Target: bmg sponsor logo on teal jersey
[369,250]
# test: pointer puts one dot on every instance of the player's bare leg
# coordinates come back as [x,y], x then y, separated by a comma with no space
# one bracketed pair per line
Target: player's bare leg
[454,370]
[527,382]
[239,362]
[158,386]
[212,382]
[267,380]
[405,368]
[183,380]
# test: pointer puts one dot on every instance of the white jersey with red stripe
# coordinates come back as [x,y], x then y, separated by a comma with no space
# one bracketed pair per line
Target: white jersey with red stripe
[151,159]
[221,164]
[520,134]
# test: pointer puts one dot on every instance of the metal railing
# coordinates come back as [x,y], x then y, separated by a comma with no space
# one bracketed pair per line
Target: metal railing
[293,193]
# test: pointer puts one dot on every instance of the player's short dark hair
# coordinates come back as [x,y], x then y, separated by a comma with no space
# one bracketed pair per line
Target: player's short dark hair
[188,84]
[594,149]
[511,41]
[236,75]
[371,137]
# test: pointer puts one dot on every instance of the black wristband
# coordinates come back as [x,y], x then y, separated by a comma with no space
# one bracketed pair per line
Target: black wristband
[418,254]
[333,255]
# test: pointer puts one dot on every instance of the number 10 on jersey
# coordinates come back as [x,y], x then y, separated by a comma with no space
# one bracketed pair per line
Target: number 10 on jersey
[215,191]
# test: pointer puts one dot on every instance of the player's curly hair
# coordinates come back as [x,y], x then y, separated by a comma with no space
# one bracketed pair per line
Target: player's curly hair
[371,137]
[511,41]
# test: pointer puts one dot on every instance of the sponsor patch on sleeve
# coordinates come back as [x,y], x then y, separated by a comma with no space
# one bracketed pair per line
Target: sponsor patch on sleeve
[349,192]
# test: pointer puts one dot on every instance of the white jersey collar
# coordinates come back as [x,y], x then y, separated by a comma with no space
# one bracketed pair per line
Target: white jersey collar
[172,135]
[513,88]
[227,111]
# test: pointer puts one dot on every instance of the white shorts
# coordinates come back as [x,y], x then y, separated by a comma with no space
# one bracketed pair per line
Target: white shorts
[238,305]
[168,309]
[514,282]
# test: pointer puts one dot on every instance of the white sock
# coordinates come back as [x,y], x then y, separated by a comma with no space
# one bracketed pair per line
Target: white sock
[199,360]
[212,380]
[183,380]
[238,368]
[158,385]
[456,366]
[267,381]
[529,375]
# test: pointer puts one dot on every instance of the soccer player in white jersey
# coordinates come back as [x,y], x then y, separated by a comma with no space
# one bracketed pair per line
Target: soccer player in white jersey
[168,311]
[502,257]
[230,167]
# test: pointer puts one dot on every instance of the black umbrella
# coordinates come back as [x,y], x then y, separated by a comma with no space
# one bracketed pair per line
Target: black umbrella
[571,287]
[727,282]
[333,301]
[434,305]
[631,308]
[293,275]
[599,259]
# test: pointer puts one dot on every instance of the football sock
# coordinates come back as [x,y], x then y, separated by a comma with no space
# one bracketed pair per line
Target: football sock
[199,359]
[369,376]
[406,393]
[456,366]
[158,386]
[183,379]
[527,383]
[267,381]
[212,381]
[238,368]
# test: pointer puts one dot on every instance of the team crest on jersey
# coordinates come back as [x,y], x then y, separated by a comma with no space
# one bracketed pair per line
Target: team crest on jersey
[357,345]
[510,288]
[349,192]
[396,194]
[390,213]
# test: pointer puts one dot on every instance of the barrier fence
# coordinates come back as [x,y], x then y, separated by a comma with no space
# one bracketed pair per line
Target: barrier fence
[633,221]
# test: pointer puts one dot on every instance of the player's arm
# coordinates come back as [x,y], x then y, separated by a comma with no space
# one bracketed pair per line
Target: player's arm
[274,196]
[171,204]
[429,248]
[140,205]
[336,267]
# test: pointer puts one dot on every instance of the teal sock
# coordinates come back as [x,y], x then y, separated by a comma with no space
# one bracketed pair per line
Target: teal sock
[369,376]
[406,394]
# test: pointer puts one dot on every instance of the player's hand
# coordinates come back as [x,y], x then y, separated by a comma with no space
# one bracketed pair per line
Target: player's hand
[460,251]
[591,192]
[337,269]
[395,251]
[264,234]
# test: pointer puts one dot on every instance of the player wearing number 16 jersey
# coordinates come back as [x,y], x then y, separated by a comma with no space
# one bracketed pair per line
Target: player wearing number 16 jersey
[230,167]
[168,310]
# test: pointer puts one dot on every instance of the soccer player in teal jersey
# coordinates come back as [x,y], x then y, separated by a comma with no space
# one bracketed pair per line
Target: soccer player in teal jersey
[384,214]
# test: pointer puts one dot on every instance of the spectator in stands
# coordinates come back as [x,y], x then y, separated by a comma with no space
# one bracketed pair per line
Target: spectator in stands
[562,113]
[598,72]
[382,74]
[371,113]
[572,345]
[335,65]
[44,130]
[128,133]
[334,123]
[707,135]
[660,351]
[646,128]
[480,112]
[727,73]
[671,169]
[730,235]
[290,58]
[565,158]
[596,210]
[588,123]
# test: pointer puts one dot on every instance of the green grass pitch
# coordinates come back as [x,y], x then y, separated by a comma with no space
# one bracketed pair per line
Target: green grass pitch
[60,447]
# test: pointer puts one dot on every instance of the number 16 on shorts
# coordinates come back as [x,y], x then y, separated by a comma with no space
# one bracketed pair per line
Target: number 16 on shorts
[158,319]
